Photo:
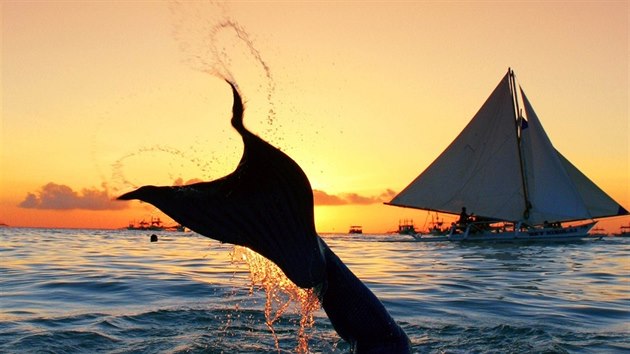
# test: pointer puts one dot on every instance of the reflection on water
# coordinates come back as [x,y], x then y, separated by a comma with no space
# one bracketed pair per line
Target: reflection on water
[114,291]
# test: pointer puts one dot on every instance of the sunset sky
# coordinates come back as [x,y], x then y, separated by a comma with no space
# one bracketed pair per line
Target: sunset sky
[99,98]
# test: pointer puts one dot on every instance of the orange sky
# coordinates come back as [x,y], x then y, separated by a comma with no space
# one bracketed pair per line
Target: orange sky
[99,98]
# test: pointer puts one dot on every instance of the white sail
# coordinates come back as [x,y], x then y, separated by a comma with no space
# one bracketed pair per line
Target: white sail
[598,203]
[505,168]
[479,170]
[552,194]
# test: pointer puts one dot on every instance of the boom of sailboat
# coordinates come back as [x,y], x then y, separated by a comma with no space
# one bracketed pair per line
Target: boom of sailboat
[503,168]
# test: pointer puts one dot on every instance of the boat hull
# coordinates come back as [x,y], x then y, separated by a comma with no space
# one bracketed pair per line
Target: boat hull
[557,234]
[568,233]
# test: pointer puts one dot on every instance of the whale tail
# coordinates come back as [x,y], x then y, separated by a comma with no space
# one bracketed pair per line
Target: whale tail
[266,204]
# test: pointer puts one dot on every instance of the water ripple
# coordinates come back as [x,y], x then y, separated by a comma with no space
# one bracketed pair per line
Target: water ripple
[89,291]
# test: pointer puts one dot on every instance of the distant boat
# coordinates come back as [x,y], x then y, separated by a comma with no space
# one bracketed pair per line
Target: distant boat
[598,231]
[436,228]
[355,229]
[406,227]
[503,168]
[624,231]
[154,225]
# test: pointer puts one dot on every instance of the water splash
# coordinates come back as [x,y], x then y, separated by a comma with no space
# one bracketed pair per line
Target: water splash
[214,43]
[228,52]
[210,42]
[280,293]
[123,166]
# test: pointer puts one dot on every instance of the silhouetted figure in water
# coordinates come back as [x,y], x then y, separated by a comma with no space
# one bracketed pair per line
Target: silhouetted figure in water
[154,238]
[266,204]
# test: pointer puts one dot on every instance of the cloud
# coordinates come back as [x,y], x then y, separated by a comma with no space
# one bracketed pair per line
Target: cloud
[323,198]
[60,197]
[54,196]
[180,181]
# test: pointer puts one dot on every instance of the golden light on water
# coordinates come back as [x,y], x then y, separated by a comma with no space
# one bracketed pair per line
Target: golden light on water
[280,294]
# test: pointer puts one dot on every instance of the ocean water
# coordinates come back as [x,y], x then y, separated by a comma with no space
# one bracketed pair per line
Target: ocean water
[105,291]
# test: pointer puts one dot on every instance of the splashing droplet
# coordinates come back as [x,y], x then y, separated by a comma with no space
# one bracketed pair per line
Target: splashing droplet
[280,293]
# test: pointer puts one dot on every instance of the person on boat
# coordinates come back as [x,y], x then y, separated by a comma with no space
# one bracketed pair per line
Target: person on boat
[463,217]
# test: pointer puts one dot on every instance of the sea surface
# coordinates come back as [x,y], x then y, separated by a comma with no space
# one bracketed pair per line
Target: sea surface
[113,291]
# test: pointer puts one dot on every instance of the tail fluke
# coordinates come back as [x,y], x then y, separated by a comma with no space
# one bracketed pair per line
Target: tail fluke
[266,204]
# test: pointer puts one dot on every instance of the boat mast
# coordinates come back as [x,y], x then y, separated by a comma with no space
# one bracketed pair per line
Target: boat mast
[518,121]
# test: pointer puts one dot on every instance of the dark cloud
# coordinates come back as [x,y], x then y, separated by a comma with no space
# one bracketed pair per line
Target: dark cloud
[60,197]
[323,198]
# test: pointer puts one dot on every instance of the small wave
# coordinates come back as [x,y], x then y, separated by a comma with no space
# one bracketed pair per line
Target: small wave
[175,330]
[87,285]
[63,341]
[80,320]
[502,338]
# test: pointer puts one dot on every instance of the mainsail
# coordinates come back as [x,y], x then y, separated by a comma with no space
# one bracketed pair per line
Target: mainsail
[503,166]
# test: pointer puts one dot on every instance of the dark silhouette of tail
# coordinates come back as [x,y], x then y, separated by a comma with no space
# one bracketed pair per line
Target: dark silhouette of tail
[266,204]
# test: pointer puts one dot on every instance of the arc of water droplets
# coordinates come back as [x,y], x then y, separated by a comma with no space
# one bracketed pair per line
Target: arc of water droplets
[118,166]
[222,67]
[198,26]
[212,58]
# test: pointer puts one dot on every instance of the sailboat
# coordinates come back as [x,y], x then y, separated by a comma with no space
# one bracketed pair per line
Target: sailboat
[504,169]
